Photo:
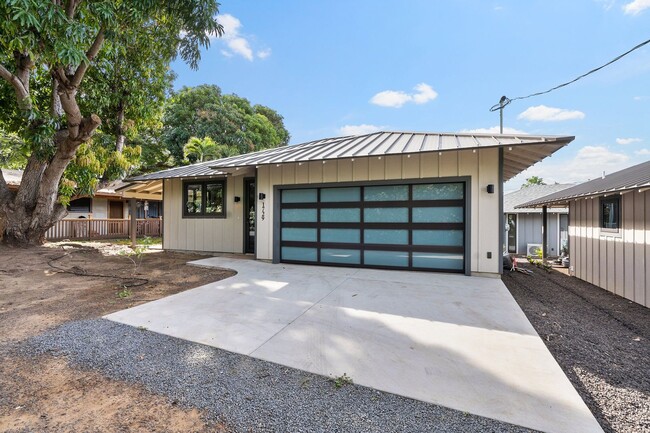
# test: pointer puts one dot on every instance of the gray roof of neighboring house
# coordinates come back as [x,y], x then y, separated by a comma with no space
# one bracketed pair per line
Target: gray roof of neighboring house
[634,177]
[523,151]
[14,177]
[531,192]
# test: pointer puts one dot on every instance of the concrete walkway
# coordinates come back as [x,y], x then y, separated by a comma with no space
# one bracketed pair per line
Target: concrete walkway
[457,341]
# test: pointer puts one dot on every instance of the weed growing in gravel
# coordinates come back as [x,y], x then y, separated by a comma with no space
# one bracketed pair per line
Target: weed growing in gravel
[342,380]
[124,293]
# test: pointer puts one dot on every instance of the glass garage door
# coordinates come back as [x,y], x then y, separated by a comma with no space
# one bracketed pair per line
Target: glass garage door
[417,226]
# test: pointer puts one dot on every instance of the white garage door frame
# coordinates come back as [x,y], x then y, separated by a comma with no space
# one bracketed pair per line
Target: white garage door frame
[466,180]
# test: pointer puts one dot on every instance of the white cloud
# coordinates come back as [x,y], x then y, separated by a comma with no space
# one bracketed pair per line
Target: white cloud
[397,98]
[639,98]
[359,129]
[636,7]
[237,44]
[550,114]
[588,163]
[390,98]
[628,140]
[642,152]
[425,93]
[263,54]
[494,130]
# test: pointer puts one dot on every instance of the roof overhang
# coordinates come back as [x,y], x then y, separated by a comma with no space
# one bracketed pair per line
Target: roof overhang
[151,190]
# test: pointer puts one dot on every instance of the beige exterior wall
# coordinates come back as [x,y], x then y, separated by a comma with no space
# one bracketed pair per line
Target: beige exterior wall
[616,262]
[204,234]
[481,166]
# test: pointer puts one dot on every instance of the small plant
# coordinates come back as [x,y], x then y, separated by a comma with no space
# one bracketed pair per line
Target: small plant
[133,254]
[142,328]
[124,293]
[342,380]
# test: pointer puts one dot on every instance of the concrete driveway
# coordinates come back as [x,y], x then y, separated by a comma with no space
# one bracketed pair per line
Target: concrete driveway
[457,341]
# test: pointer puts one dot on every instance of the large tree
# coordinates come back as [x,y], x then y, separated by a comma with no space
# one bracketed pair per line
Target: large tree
[230,120]
[47,48]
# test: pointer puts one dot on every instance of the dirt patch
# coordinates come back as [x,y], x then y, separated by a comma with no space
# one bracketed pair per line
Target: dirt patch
[48,395]
[601,341]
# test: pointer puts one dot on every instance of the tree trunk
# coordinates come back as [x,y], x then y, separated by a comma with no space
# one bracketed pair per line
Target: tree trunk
[119,129]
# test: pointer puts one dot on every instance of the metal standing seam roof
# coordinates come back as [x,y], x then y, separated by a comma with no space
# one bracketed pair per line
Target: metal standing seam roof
[380,144]
[512,200]
[631,178]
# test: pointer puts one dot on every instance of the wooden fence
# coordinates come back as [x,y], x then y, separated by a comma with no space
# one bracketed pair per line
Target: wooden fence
[82,228]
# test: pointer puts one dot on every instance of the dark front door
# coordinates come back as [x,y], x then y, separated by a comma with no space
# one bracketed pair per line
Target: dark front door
[116,209]
[249,215]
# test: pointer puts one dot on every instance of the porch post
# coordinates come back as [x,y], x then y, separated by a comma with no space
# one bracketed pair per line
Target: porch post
[134,222]
[544,231]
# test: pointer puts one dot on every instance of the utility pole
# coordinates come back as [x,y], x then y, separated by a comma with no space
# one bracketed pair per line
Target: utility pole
[502,104]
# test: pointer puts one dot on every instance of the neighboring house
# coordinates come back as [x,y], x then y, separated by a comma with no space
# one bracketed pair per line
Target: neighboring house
[107,203]
[609,231]
[524,226]
[422,201]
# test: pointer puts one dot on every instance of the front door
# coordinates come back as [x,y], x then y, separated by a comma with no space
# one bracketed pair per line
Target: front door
[115,209]
[249,216]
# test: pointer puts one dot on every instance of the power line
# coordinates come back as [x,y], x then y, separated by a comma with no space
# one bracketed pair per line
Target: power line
[506,101]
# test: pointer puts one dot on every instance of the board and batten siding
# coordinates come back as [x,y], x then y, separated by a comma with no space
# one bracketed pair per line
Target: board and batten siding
[617,262]
[481,165]
[204,234]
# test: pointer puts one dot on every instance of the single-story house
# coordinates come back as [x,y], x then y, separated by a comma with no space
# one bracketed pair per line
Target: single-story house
[524,225]
[108,202]
[609,231]
[395,200]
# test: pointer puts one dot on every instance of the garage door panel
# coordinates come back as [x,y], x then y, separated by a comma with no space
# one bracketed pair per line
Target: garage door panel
[341,235]
[341,256]
[352,194]
[404,226]
[335,215]
[439,237]
[438,214]
[300,254]
[299,215]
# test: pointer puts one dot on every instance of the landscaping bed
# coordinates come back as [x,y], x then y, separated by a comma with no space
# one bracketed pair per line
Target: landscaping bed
[601,341]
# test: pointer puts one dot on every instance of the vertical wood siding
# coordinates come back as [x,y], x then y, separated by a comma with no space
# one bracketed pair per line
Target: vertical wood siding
[617,262]
[204,234]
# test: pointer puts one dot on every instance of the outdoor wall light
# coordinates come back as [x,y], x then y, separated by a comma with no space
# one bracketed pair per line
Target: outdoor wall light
[490,188]
[237,199]
[261,196]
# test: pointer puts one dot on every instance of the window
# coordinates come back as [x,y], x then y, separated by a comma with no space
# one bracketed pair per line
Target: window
[80,205]
[204,199]
[610,213]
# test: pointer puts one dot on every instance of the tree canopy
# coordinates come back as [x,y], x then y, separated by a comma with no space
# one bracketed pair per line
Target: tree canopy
[229,120]
[533,180]
[66,69]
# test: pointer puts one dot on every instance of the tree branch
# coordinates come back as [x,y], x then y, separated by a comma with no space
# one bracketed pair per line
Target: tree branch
[22,94]
[90,54]
[70,8]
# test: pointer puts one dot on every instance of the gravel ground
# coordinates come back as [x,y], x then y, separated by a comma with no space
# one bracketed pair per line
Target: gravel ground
[244,393]
[601,341]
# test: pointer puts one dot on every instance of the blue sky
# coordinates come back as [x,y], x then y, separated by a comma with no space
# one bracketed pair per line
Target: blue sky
[338,67]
